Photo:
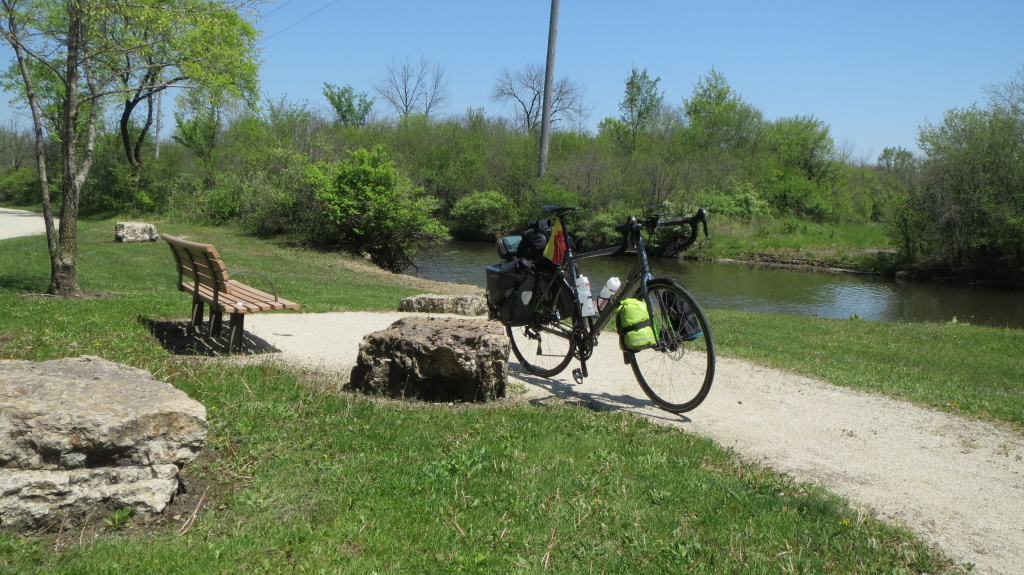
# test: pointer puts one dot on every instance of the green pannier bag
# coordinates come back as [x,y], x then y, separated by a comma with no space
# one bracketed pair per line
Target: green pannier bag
[636,331]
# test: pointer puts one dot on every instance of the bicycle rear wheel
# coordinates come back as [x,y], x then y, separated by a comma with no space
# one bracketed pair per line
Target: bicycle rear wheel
[677,373]
[545,346]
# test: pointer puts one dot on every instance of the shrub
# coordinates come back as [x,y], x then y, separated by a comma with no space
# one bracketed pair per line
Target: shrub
[376,210]
[21,186]
[483,216]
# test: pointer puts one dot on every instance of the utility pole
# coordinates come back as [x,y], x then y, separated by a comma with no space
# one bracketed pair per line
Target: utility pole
[159,114]
[549,80]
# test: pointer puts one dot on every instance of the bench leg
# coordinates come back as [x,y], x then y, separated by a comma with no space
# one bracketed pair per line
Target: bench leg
[196,323]
[236,339]
[216,322]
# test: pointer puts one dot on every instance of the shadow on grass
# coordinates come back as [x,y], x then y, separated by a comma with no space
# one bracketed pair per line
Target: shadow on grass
[174,337]
[25,284]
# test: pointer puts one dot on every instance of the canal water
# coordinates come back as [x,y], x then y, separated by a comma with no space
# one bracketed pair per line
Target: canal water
[771,290]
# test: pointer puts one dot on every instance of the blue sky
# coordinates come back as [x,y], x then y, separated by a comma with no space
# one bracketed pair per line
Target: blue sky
[873,71]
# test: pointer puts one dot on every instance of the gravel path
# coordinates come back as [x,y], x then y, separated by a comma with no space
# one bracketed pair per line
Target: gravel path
[956,483]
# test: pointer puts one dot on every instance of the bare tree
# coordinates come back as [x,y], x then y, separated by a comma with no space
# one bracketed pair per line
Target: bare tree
[15,144]
[414,88]
[523,91]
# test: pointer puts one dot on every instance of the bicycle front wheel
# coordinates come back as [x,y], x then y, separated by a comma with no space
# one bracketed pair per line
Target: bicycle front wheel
[545,346]
[677,373]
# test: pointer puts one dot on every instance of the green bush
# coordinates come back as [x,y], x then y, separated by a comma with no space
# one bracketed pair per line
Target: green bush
[376,210]
[20,186]
[740,202]
[483,216]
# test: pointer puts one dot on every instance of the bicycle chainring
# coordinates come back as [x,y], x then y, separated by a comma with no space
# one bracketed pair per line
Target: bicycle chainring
[584,347]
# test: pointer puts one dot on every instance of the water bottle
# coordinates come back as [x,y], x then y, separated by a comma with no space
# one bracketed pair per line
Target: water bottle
[586,299]
[609,289]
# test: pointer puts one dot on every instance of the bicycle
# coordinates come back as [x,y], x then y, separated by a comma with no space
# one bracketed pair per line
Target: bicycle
[676,372]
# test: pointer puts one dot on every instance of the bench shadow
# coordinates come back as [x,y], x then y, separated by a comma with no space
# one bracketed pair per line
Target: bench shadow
[578,394]
[175,338]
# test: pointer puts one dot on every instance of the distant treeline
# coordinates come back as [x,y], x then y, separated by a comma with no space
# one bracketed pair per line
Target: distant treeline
[384,186]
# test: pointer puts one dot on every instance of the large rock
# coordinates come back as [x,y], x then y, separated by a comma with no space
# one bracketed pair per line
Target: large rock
[84,432]
[455,304]
[434,359]
[133,232]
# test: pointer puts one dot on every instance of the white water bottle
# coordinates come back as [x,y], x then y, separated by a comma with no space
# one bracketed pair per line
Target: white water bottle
[609,289]
[586,299]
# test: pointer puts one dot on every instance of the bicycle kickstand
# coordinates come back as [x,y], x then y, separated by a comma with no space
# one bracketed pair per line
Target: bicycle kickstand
[580,372]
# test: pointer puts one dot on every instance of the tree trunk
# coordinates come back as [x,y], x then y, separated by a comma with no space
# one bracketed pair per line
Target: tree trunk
[64,255]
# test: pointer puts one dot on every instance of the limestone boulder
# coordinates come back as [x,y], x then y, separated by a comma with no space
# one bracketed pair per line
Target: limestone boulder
[455,304]
[436,359]
[134,232]
[80,432]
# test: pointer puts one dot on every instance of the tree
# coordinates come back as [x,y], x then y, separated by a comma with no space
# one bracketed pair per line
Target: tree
[192,44]
[523,91]
[641,105]
[414,88]
[73,56]
[719,118]
[351,108]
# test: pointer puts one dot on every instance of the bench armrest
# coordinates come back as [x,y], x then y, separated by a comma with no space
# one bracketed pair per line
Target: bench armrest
[265,278]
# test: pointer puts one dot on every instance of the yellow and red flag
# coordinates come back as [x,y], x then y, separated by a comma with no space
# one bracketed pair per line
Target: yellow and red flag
[555,250]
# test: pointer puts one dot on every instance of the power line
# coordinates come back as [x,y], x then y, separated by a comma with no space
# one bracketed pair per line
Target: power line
[286,2]
[299,22]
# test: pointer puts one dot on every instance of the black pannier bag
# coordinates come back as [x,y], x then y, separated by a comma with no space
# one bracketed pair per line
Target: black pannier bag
[510,292]
[535,239]
[680,314]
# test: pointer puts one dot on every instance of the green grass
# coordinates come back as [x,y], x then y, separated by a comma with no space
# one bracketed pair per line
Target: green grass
[973,370]
[304,480]
[846,243]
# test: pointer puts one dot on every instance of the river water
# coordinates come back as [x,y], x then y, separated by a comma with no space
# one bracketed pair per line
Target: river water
[772,290]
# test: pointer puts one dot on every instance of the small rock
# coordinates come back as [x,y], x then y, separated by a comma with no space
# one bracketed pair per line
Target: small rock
[134,232]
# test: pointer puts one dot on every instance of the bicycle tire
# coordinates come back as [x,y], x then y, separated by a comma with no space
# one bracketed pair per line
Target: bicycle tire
[678,372]
[545,346]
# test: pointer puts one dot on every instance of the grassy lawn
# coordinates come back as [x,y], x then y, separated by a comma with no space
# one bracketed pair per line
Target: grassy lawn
[302,479]
[859,245]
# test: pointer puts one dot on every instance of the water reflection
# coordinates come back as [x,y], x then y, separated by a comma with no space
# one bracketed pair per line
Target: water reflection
[770,290]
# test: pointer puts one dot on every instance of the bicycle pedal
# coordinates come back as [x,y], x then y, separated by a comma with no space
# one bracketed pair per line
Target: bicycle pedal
[578,375]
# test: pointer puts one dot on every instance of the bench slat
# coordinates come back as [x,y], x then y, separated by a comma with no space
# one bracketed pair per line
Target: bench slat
[244,299]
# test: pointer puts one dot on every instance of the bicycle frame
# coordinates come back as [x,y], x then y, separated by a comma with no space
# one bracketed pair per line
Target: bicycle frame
[593,326]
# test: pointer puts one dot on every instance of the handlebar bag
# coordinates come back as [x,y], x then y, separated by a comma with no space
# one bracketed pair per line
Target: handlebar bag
[636,331]
[510,292]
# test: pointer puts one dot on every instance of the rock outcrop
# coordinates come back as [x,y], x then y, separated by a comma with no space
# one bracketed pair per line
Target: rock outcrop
[82,433]
[436,359]
[455,304]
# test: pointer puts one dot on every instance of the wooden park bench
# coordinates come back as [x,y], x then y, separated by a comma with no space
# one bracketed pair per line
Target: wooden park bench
[202,273]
